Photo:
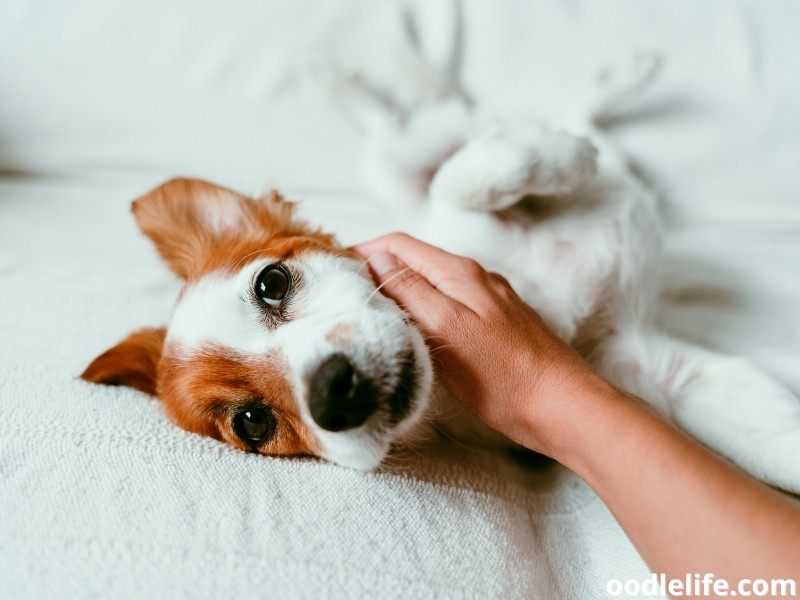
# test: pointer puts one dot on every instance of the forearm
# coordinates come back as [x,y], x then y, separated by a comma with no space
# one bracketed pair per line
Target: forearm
[686,510]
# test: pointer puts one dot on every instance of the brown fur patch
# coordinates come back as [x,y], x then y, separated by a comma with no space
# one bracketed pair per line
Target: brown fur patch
[133,362]
[198,227]
[204,390]
[342,334]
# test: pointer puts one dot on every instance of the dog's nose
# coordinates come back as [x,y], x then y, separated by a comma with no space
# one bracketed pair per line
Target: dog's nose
[340,397]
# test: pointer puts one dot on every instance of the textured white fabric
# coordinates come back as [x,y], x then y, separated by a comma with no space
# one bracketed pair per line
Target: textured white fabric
[100,496]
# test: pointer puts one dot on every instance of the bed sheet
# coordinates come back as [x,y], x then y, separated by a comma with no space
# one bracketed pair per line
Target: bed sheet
[100,496]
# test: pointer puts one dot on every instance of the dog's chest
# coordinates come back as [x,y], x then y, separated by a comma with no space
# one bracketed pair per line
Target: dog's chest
[558,254]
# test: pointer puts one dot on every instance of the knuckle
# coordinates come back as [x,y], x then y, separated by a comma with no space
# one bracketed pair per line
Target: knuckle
[499,279]
[503,288]
[397,236]
[471,268]
[440,321]
[403,282]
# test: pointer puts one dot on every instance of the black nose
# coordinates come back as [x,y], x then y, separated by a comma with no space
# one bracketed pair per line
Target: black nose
[340,397]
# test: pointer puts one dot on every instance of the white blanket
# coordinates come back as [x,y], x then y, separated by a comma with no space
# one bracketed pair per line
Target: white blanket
[101,496]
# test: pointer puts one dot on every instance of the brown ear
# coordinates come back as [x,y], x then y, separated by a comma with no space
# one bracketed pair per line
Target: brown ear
[188,218]
[132,362]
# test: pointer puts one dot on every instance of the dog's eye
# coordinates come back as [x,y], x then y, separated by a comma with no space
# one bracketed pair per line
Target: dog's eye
[254,425]
[272,285]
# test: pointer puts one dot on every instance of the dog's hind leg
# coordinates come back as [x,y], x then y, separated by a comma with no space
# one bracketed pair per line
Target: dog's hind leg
[498,168]
[614,86]
[367,106]
[727,403]
[418,84]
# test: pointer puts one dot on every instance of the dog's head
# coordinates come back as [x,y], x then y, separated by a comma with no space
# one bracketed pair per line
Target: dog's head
[279,343]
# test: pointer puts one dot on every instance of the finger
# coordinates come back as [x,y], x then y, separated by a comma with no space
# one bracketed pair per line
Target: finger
[409,289]
[498,278]
[452,274]
[415,253]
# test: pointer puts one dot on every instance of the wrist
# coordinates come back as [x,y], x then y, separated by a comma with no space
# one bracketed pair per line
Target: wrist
[575,417]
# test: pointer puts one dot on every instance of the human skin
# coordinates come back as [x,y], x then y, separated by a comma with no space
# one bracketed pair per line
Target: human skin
[686,510]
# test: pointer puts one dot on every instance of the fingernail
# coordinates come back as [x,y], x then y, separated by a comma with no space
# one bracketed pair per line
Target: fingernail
[382,263]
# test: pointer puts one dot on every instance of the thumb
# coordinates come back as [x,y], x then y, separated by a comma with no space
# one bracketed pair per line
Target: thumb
[405,286]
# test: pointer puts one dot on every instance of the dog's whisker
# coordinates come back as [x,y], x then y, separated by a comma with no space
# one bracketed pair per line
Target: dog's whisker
[476,448]
[451,412]
[400,455]
[361,268]
[245,257]
[377,289]
[437,349]
[438,365]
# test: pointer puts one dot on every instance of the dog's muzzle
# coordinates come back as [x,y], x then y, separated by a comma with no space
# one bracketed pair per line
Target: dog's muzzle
[342,398]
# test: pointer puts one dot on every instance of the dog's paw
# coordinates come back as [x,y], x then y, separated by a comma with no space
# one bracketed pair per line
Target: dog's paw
[498,168]
[743,413]
[620,81]
[368,107]
[632,72]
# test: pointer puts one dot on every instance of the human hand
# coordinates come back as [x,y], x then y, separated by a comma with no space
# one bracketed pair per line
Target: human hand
[497,357]
[493,352]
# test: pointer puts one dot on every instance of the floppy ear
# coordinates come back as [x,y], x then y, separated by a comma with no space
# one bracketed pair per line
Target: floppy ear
[133,362]
[187,218]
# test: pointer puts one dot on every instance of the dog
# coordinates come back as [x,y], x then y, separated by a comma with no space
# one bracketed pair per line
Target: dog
[281,344]
[278,343]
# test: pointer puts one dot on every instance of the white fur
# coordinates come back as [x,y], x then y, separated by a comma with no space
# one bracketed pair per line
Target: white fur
[220,213]
[586,258]
[331,291]
[498,167]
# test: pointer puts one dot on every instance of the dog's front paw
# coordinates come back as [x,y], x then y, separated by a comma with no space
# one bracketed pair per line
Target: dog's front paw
[498,168]
[621,81]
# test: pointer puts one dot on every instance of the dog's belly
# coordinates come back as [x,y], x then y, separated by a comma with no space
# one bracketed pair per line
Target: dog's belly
[558,260]
[581,261]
